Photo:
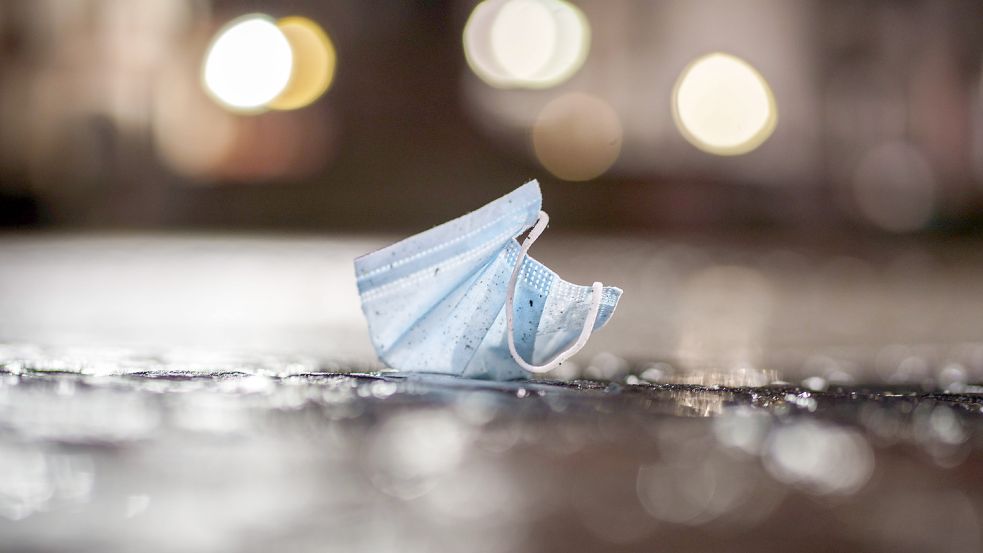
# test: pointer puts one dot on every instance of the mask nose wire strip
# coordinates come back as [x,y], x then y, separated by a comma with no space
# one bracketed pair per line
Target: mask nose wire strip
[595,305]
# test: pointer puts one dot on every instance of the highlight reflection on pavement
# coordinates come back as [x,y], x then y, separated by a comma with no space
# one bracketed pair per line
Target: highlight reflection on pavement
[218,395]
[254,454]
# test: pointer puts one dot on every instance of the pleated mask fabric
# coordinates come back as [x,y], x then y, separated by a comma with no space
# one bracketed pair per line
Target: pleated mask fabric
[437,302]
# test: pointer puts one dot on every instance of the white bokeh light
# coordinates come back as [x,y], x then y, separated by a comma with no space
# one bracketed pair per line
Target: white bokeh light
[248,63]
[723,106]
[523,37]
[570,47]
[526,43]
[819,457]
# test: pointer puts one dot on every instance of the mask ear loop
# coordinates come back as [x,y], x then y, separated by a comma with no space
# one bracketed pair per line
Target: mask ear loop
[595,306]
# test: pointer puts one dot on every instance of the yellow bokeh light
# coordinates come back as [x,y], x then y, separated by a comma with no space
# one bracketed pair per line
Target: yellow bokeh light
[577,137]
[314,62]
[247,64]
[526,43]
[723,106]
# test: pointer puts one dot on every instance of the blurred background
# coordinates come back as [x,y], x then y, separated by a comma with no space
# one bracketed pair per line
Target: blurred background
[790,192]
[820,118]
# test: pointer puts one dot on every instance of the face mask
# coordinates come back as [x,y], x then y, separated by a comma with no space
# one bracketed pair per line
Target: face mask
[463,298]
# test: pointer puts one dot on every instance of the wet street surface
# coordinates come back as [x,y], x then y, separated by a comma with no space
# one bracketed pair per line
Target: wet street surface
[220,394]
[255,454]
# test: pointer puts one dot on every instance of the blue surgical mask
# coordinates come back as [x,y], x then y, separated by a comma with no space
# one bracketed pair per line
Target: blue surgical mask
[464,299]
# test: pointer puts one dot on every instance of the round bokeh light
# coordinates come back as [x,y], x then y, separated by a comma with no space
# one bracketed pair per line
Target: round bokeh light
[526,43]
[248,64]
[723,106]
[314,62]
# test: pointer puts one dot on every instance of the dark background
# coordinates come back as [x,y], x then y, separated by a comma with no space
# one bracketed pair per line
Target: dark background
[407,136]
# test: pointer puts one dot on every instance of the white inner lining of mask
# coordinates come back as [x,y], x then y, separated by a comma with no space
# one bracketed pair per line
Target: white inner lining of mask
[595,304]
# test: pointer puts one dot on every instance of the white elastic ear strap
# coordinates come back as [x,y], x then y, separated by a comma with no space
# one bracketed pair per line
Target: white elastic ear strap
[595,306]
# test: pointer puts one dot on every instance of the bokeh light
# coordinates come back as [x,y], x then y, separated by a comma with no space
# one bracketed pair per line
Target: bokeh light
[195,137]
[248,64]
[894,187]
[412,453]
[523,37]
[723,106]
[526,43]
[314,62]
[820,458]
[577,137]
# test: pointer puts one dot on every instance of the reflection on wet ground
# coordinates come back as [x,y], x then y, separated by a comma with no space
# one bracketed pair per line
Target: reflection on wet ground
[111,450]
[756,397]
